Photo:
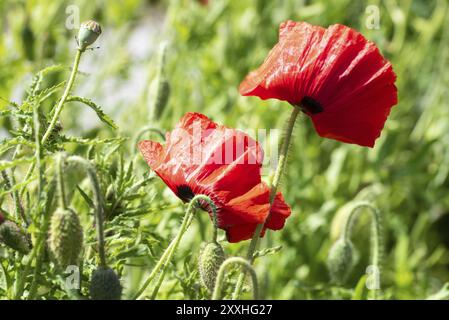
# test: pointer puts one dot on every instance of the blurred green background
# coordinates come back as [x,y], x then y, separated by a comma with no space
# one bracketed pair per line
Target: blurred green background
[210,49]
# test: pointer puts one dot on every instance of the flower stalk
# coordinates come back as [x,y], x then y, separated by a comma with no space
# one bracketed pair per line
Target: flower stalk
[167,256]
[376,239]
[222,271]
[273,190]
[64,96]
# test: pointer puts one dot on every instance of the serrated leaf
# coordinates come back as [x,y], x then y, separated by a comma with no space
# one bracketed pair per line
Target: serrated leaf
[7,144]
[266,252]
[38,77]
[100,113]
[92,141]
[10,164]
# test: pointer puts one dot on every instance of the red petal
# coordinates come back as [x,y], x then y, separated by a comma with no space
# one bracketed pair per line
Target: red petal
[255,204]
[280,211]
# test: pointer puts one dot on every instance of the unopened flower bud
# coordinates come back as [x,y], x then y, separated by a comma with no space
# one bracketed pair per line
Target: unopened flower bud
[159,94]
[28,40]
[340,260]
[105,285]
[209,262]
[88,33]
[66,237]
[14,237]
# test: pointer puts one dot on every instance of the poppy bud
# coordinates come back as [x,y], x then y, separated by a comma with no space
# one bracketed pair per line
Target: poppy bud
[209,262]
[66,237]
[159,94]
[88,33]
[14,237]
[105,285]
[28,40]
[340,260]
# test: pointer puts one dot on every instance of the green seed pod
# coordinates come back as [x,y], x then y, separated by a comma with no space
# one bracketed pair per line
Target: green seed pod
[66,237]
[88,33]
[49,45]
[209,262]
[158,97]
[105,285]
[14,237]
[28,41]
[340,260]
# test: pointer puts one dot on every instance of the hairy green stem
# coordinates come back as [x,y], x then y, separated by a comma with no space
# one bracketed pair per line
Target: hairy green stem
[64,96]
[166,257]
[60,179]
[56,113]
[376,240]
[222,271]
[42,248]
[143,131]
[165,266]
[99,213]
[214,238]
[273,190]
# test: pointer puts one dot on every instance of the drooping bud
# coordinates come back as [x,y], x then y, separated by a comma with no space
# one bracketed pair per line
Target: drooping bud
[159,91]
[28,40]
[66,237]
[340,260]
[14,237]
[88,33]
[105,285]
[159,95]
[209,262]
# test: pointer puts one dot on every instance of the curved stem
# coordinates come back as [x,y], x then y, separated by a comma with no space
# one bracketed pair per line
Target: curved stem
[145,130]
[222,271]
[168,254]
[64,97]
[273,190]
[99,214]
[214,219]
[376,236]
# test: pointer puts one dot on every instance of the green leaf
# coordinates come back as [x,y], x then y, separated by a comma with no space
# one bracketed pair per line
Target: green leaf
[360,288]
[86,197]
[7,144]
[92,141]
[266,252]
[10,164]
[100,113]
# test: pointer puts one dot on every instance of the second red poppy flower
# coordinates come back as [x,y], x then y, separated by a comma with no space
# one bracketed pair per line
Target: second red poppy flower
[202,157]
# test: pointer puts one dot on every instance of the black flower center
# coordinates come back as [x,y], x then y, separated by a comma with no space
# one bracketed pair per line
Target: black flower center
[310,105]
[184,193]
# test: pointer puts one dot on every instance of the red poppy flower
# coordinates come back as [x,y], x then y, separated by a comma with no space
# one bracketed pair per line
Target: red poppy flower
[335,75]
[202,157]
